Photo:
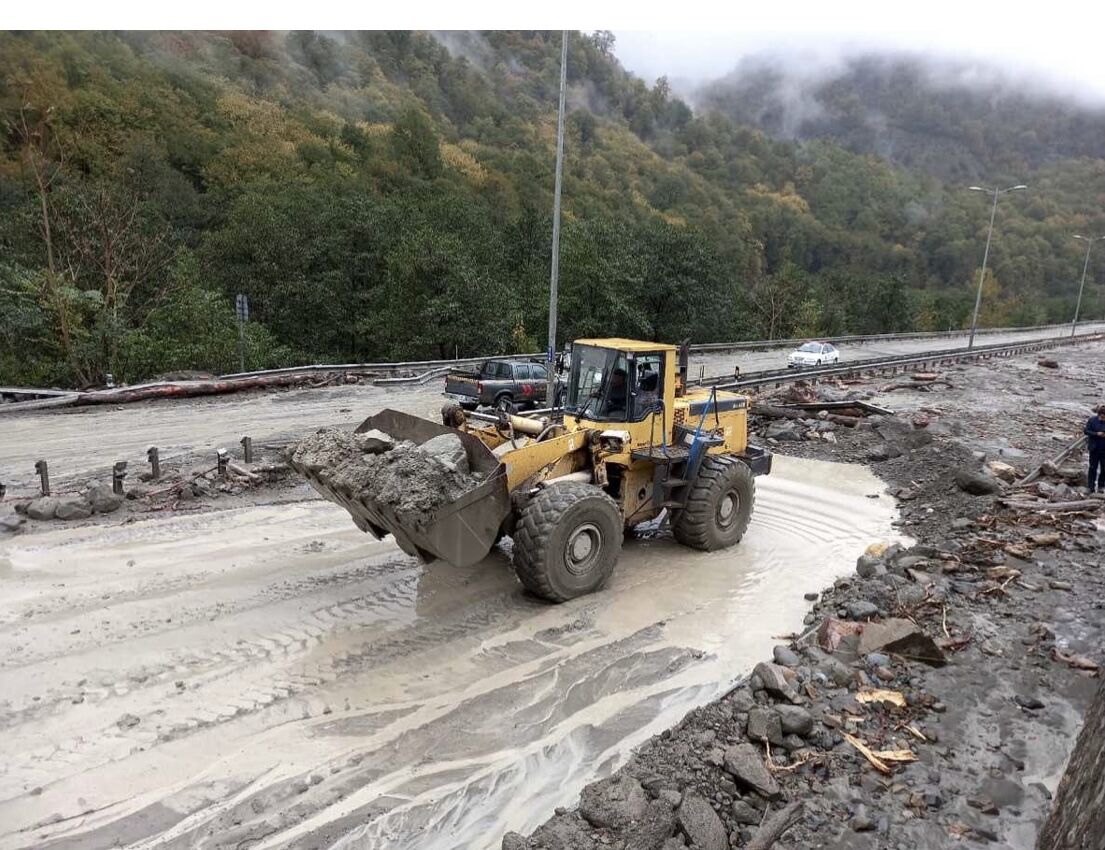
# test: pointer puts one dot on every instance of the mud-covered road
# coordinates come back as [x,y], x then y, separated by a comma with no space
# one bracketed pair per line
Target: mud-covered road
[268,676]
[81,441]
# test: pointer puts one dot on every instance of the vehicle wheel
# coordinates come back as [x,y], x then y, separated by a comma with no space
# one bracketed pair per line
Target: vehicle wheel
[818,362]
[567,541]
[469,405]
[719,505]
[505,403]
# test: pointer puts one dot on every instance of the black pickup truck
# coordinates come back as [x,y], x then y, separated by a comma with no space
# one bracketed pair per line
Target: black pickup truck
[508,384]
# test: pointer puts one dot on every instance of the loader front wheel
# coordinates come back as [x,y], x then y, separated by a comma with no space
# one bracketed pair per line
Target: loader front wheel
[567,540]
[719,506]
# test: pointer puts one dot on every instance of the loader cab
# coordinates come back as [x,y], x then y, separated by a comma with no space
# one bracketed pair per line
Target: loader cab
[619,380]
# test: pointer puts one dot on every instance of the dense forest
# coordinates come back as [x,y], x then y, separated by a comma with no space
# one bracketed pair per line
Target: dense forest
[388,195]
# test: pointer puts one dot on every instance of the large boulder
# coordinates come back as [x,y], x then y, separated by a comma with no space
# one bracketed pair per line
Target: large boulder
[44,508]
[747,767]
[653,830]
[448,450]
[700,822]
[11,524]
[103,499]
[613,803]
[977,482]
[74,508]
[787,429]
[900,636]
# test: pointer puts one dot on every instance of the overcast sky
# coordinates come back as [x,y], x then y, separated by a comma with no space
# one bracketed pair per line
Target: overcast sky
[1054,44]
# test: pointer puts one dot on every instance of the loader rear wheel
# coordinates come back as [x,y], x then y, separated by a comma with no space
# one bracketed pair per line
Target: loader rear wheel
[567,541]
[719,505]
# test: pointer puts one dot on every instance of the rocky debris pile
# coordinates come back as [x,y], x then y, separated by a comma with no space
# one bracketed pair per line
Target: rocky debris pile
[414,480]
[96,498]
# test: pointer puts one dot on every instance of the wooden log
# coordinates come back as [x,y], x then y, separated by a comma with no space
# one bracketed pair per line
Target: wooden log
[191,389]
[1055,462]
[1055,507]
[772,829]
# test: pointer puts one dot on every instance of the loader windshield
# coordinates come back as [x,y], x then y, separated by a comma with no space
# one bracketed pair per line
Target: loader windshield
[597,388]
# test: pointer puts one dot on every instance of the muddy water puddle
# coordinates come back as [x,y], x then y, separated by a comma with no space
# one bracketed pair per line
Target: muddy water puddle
[273,677]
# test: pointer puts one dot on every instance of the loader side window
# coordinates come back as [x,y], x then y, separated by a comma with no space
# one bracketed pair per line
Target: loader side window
[648,385]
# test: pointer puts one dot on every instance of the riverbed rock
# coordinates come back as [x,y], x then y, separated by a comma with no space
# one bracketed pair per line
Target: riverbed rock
[794,719]
[902,637]
[613,803]
[861,609]
[44,508]
[764,724]
[976,482]
[775,681]
[744,813]
[883,451]
[786,656]
[746,765]
[103,499]
[654,829]
[785,430]
[701,823]
[71,509]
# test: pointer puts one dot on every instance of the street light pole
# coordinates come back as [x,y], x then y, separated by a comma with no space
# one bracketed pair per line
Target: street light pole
[550,364]
[1089,240]
[986,253]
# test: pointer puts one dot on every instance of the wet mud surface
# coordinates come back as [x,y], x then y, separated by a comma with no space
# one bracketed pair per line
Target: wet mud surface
[268,676]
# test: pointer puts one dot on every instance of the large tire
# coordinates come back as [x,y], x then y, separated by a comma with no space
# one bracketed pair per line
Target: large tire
[505,403]
[567,541]
[719,505]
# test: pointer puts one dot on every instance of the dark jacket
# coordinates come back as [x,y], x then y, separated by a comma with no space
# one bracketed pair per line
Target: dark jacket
[1095,425]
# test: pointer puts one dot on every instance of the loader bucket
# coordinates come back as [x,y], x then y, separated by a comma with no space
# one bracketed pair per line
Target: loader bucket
[460,532]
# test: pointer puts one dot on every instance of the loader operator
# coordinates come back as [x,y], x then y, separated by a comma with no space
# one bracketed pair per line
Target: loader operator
[1095,439]
[618,395]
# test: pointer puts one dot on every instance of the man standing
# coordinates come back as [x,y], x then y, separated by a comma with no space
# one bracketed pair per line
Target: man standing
[1095,438]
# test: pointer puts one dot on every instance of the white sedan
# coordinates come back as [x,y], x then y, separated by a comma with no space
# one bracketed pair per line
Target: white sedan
[813,354]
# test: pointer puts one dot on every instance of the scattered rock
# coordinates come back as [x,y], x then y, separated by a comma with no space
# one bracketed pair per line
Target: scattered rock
[901,637]
[701,823]
[794,719]
[746,765]
[11,524]
[1002,470]
[786,430]
[654,829]
[613,803]
[861,609]
[44,508]
[976,482]
[764,724]
[775,681]
[128,721]
[513,841]
[448,450]
[1048,363]
[883,451]
[743,813]
[103,499]
[785,656]
[868,566]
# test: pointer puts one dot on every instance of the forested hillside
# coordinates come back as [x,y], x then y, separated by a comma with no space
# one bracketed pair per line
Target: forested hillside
[388,195]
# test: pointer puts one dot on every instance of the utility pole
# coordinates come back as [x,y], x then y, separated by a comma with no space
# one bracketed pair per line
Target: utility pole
[241,307]
[550,398]
[1089,240]
[986,253]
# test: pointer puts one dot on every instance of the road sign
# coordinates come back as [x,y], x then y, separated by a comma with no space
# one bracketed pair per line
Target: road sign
[242,306]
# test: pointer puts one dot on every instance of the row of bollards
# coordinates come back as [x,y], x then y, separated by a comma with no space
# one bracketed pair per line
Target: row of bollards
[153,457]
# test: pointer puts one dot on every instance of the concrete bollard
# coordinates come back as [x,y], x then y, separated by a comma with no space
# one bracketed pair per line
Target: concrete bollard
[154,457]
[43,470]
[118,474]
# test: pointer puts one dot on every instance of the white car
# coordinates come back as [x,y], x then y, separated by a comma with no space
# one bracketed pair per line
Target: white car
[813,354]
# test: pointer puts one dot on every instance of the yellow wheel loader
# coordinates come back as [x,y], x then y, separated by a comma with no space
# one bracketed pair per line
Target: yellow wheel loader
[634,442]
